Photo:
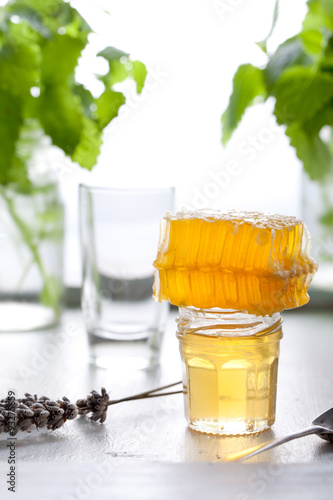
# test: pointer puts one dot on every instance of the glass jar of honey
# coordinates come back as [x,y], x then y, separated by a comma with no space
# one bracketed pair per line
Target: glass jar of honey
[230,365]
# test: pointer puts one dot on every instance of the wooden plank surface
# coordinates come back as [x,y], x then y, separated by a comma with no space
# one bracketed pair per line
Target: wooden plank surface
[153,481]
[136,433]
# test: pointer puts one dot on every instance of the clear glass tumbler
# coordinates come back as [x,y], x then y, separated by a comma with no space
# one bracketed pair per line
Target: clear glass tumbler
[119,234]
[230,365]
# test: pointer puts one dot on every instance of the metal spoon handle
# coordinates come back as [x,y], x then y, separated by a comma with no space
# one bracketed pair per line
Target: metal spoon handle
[244,455]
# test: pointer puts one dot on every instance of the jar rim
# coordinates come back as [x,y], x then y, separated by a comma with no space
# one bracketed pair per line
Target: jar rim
[225,323]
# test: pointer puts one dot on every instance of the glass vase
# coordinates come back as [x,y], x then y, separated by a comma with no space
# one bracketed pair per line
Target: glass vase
[317,213]
[31,263]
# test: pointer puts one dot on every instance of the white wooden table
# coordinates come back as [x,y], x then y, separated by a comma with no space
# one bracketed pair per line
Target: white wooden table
[144,450]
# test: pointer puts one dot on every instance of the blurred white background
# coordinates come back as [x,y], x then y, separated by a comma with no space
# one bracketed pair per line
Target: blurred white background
[171,134]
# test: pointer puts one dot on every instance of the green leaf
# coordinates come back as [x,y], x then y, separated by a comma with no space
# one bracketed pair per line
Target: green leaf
[315,34]
[19,67]
[30,15]
[117,74]
[300,93]
[326,7]
[18,174]
[74,24]
[87,151]
[320,14]
[87,100]
[326,60]
[313,41]
[248,84]
[44,7]
[323,117]
[139,74]
[59,59]
[288,54]
[119,71]
[108,105]
[112,54]
[10,123]
[311,150]
[61,116]
[313,20]
[327,218]
[52,14]
[263,43]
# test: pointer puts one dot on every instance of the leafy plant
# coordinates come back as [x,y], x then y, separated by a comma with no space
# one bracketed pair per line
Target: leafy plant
[41,42]
[299,76]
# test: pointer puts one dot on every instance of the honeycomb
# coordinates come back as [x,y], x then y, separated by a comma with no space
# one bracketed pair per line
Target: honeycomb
[249,261]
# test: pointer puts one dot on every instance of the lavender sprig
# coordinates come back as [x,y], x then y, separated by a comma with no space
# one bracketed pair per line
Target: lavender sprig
[24,413]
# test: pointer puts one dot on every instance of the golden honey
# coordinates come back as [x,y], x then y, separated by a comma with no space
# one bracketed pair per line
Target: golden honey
[230,365]
[247,261]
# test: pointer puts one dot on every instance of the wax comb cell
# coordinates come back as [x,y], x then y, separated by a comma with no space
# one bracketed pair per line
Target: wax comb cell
[249,261]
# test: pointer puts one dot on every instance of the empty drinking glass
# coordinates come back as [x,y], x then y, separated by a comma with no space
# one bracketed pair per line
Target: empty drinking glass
[119,234]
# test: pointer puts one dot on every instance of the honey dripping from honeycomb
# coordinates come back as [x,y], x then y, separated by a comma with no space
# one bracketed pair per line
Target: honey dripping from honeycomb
[249,261]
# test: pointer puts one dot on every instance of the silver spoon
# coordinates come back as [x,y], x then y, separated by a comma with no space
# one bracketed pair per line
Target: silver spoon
[322,426]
